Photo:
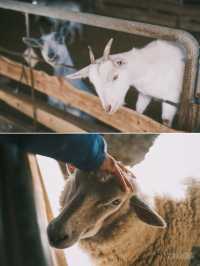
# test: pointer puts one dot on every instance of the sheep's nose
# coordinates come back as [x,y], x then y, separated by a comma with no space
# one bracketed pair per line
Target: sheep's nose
[108,108]
[54,236]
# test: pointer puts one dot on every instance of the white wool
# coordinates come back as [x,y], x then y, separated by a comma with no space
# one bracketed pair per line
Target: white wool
[172,160]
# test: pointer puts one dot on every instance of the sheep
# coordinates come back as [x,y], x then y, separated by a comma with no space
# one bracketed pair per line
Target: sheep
[155,70]
[119,229]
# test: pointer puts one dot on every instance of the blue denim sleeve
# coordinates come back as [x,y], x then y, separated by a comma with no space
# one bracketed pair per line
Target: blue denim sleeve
[85,151]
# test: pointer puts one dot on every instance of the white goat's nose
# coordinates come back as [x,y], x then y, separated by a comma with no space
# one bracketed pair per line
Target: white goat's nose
[108,108]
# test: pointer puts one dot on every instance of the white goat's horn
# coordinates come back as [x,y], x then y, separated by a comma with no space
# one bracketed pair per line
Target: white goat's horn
[92,58]
[107,50]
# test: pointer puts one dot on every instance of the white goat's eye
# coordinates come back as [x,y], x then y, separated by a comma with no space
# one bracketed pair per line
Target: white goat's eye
[115,77]
[119,62]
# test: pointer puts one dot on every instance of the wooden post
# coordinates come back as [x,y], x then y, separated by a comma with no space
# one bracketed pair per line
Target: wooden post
[43,206]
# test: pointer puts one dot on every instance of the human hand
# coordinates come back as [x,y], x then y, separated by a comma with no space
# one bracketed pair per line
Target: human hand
[120,171]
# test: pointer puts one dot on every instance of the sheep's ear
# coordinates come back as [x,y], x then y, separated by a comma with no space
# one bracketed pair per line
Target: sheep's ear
[146,214]
[83,73]
[33,42]
[59,38]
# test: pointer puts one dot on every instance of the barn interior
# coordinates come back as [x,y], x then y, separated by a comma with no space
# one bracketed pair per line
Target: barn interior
[170,13]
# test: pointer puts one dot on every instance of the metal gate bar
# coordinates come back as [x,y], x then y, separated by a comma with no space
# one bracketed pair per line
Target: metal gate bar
[187,115]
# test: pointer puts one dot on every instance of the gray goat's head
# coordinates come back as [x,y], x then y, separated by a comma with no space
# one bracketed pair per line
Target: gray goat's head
[90,203]
[52,47]
[110,77]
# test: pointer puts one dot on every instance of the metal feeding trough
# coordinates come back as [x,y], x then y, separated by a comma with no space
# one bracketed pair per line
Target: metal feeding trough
[189,112]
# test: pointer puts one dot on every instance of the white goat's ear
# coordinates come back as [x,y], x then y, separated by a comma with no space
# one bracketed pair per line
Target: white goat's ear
[119,62]
[33,42]
[83,73]
[146,214]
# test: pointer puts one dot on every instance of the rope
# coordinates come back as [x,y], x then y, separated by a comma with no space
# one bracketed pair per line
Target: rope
[27,23]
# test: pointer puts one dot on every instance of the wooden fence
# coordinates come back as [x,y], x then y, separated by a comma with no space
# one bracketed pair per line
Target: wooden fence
[125,120]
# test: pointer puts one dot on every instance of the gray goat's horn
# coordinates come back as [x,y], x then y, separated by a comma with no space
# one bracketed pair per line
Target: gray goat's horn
[92,58]
[107,50]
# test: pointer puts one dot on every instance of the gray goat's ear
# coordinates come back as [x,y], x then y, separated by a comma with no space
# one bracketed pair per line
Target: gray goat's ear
[65,29]
[59,38]
[33,42]
[146,214]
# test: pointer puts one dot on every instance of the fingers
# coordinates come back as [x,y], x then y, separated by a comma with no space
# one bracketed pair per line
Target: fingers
[122,172]
[130,185]
[127,173]
[70,169]
[126,170]
[121,178]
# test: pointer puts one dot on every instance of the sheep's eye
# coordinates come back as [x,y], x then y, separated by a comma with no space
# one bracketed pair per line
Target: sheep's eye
[116,202]
[115,77]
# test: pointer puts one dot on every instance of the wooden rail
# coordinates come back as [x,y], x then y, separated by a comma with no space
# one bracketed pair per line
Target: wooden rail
[8,123]
[125,120]
[187,114]
[45,115]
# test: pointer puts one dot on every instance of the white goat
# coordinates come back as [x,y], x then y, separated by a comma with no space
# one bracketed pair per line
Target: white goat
[155,71]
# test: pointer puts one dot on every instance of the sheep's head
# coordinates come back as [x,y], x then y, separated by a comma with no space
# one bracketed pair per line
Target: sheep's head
[90,203]
[109,76]
[52,47]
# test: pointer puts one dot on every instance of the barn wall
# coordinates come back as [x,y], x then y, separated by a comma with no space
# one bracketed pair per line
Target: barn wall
[172,13]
